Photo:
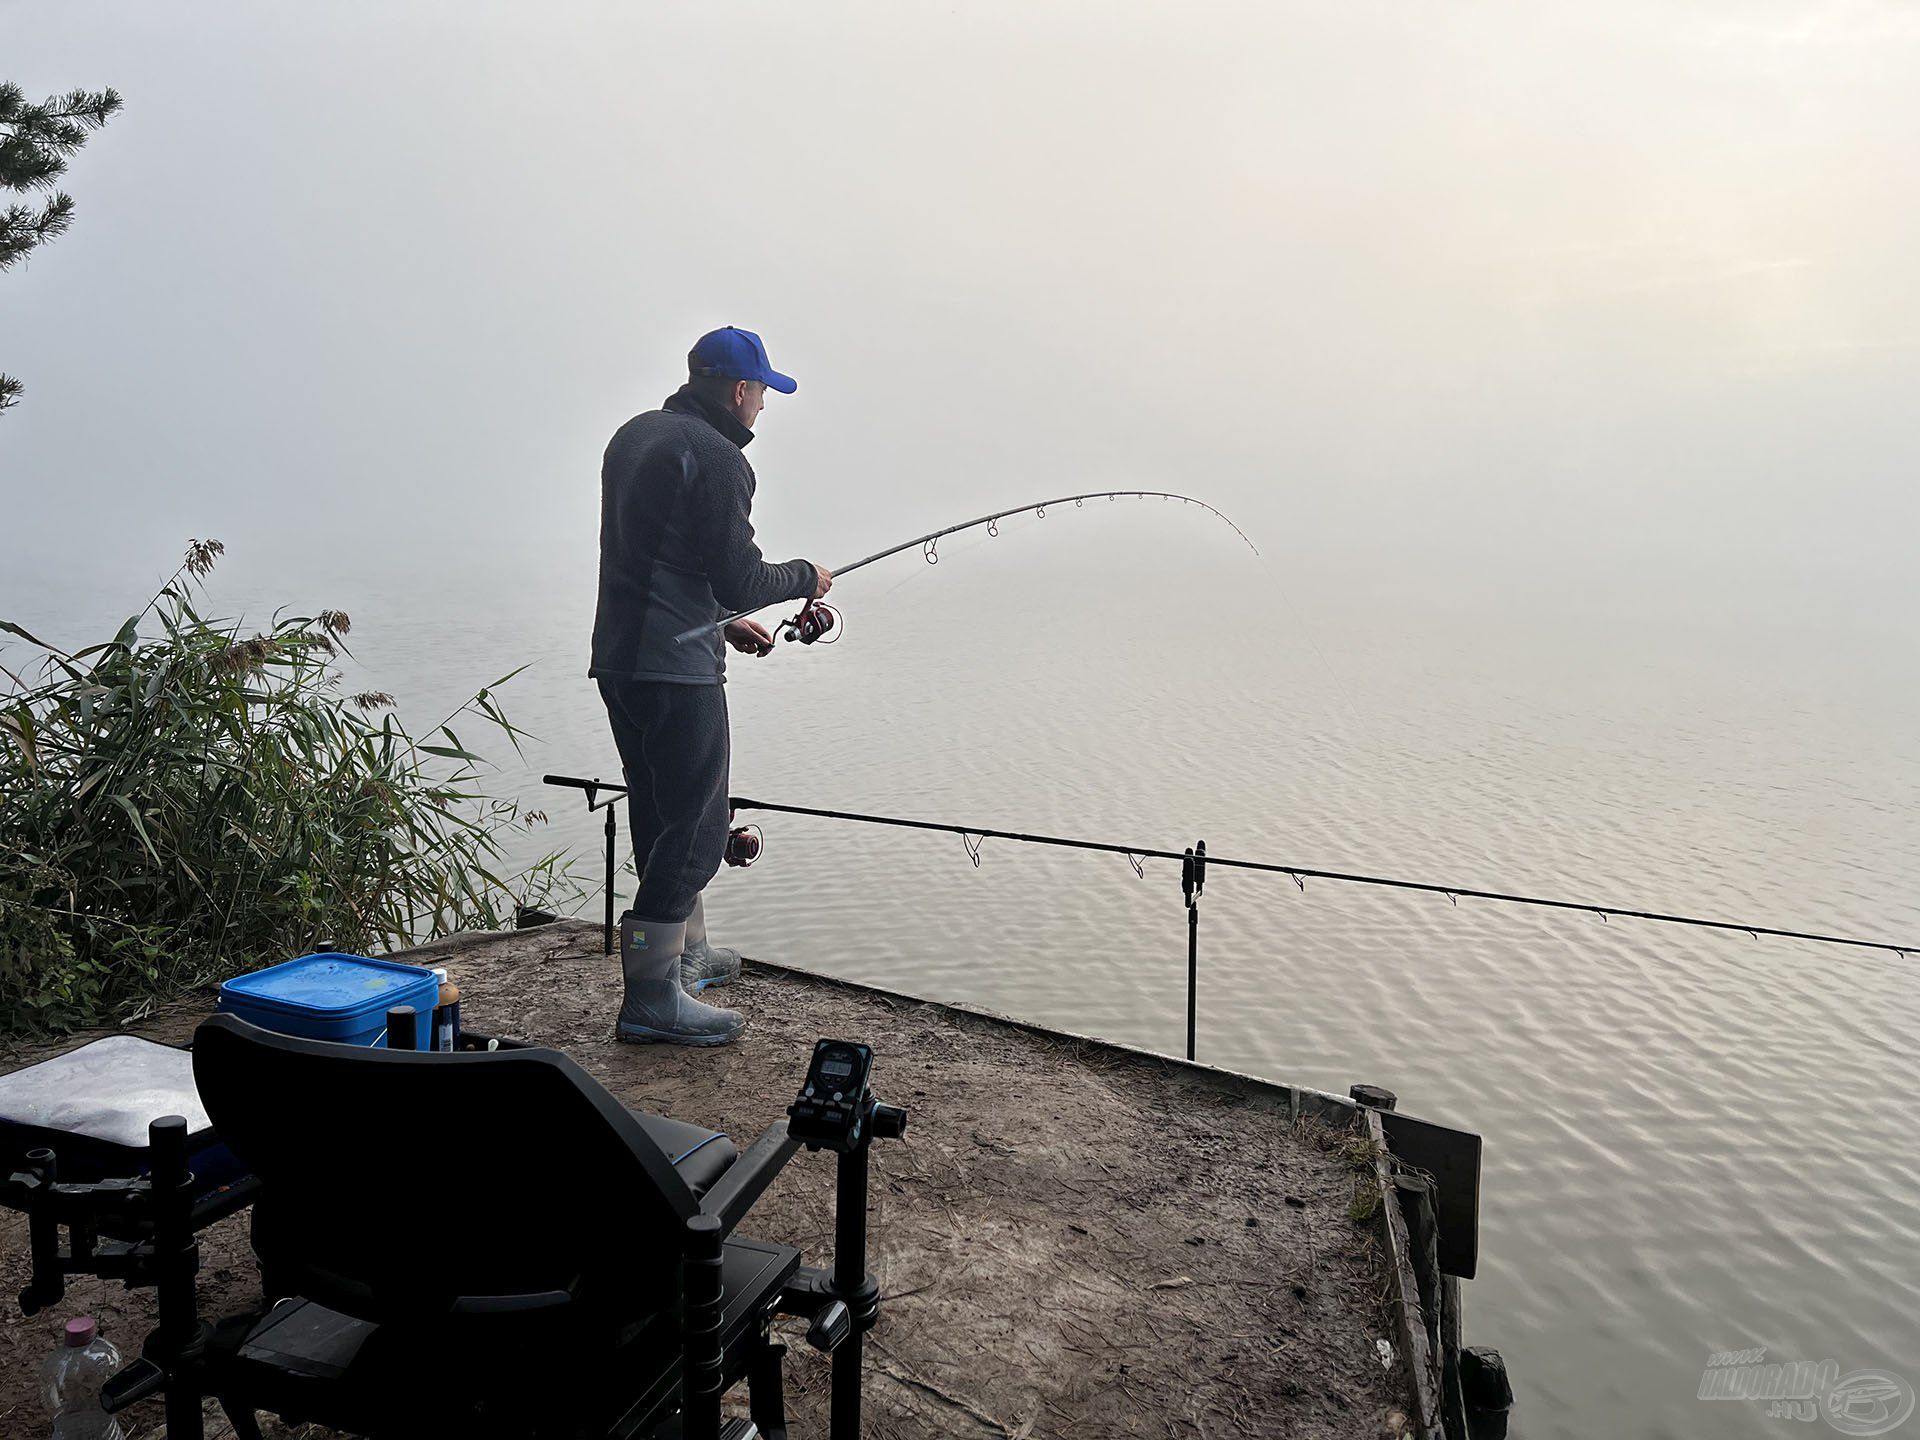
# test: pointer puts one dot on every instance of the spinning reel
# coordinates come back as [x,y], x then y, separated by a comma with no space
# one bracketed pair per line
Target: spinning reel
[744,844]
[814,620]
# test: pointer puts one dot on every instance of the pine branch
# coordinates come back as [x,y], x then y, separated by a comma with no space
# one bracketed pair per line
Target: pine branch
[21,228]
[26,164]
[36,140]
[91,108]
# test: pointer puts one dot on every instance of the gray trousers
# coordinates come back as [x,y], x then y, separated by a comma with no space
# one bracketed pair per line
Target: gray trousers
[675,750]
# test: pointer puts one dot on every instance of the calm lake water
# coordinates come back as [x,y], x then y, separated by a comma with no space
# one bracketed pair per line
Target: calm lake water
[1694,1142]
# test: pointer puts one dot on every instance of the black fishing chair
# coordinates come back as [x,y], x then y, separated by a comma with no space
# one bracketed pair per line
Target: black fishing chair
[490,1244]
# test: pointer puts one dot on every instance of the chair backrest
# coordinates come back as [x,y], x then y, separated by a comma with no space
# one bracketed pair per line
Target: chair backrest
[404,1186]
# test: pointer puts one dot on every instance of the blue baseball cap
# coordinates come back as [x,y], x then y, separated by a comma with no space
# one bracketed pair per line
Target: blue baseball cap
[732,354]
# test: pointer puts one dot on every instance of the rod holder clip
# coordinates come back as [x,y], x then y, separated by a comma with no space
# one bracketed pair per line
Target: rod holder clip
[1193,872]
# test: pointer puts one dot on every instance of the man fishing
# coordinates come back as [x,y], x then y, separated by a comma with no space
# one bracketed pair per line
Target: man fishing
[677,551]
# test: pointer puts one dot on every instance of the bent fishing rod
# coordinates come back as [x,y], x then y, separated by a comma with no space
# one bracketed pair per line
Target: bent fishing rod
[816,619]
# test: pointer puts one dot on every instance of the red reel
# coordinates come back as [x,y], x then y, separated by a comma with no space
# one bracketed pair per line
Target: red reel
[815,620]
[744,846]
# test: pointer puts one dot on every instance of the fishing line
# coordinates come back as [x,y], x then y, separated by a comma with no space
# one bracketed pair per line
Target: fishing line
[921,572]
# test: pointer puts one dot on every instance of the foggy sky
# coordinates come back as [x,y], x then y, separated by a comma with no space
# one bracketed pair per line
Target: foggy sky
[1477,293]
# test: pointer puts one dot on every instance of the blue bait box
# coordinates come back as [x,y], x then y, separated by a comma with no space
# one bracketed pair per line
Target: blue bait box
[330,996]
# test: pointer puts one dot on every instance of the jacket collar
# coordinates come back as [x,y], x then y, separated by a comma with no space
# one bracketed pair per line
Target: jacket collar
[684,402]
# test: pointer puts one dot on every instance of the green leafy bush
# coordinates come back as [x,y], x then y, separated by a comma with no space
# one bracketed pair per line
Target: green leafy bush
[185,801]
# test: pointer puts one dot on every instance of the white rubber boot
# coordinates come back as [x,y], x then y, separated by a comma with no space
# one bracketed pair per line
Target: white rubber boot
[655,1009]
[702,964]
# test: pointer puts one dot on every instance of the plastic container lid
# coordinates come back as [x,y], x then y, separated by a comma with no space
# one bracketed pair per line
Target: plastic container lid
[81,1330]
[329,983]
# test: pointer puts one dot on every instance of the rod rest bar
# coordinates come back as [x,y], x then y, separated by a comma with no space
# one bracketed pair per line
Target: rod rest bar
[571,782]
[592,787]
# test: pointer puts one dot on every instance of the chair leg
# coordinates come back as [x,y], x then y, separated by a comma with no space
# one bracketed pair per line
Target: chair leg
[176,1258]
[702,1298]
[184,1417]
[241,1417]
[766,1390]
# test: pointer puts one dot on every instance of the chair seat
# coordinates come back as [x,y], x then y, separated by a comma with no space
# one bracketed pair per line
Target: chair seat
[699,1156]
[304,1361]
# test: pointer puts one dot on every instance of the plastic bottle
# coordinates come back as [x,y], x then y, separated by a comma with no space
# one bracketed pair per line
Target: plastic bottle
[74,1374]
[446,1013]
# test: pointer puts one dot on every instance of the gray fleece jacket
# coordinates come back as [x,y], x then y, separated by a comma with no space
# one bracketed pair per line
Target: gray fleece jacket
[676,544]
